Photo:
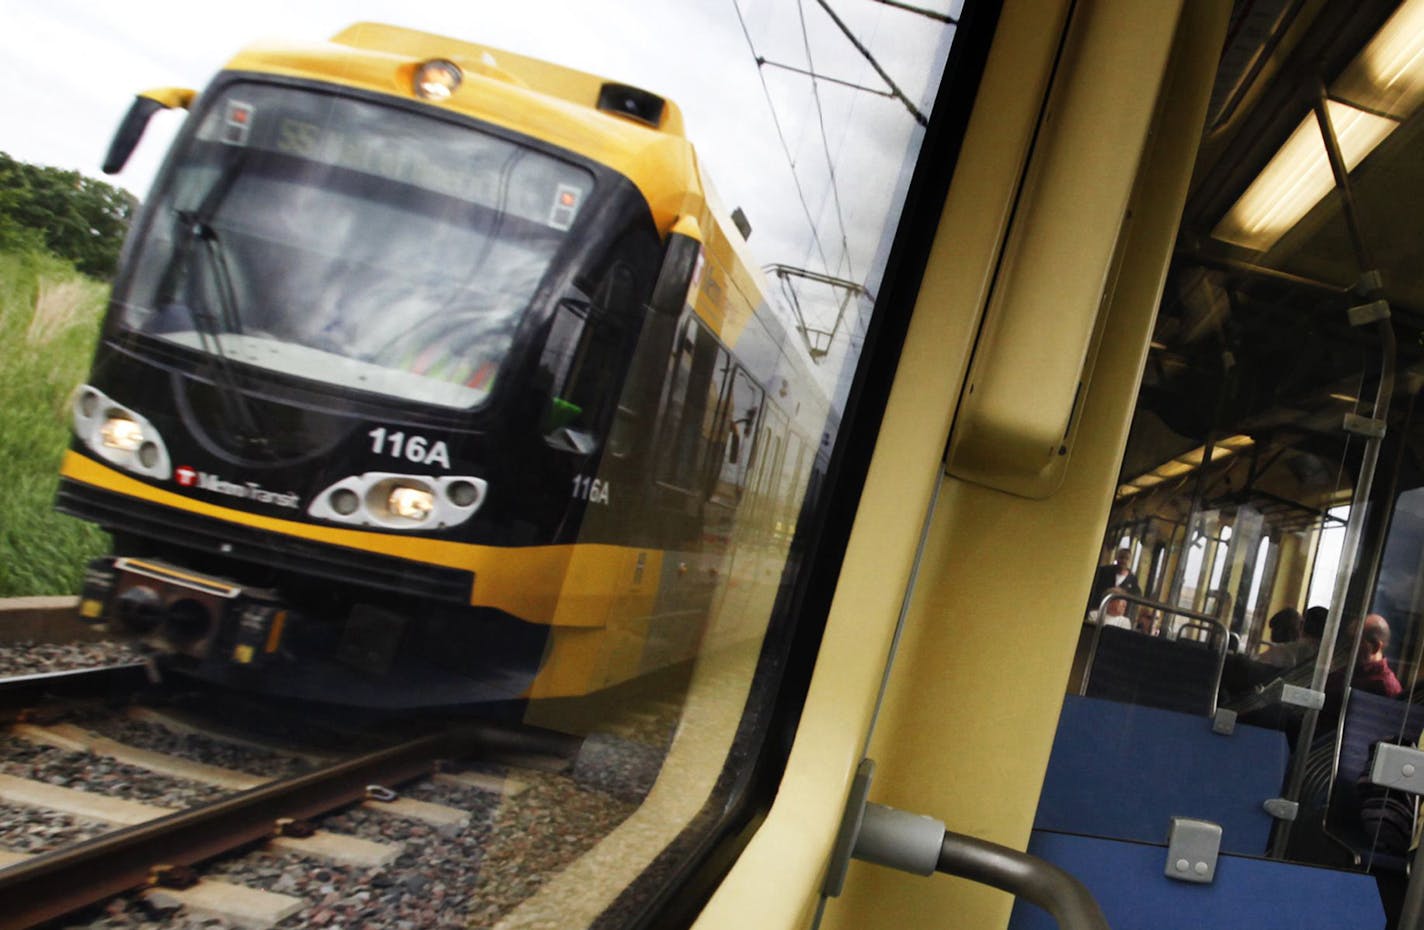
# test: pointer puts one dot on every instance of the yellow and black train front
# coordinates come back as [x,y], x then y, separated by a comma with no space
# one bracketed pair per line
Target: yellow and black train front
[374,398]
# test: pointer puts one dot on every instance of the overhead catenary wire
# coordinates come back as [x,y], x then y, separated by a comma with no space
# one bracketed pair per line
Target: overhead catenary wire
[845,267]
[768,63]
[781,137]
[825,144]
[865,53]
[920,11]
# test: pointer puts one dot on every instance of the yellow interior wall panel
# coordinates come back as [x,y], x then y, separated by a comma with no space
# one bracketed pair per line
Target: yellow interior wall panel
[977,686]
[776,881]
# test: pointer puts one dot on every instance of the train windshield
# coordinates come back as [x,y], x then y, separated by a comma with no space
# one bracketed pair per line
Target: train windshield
[360,245]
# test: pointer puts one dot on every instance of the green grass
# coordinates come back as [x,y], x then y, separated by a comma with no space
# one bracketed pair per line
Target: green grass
[49,320]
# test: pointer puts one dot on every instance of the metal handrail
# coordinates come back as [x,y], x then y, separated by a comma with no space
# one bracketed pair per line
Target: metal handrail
[1220,628]
[1029,877]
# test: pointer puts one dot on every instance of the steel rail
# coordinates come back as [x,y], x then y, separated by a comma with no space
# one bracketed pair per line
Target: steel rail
[22,691]
[59,882]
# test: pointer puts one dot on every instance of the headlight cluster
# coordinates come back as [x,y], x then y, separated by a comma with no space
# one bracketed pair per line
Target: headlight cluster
[400,502]
[119,435]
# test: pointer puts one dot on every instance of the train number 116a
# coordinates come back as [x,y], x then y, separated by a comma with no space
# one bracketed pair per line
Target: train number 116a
[593,490]
[416,449]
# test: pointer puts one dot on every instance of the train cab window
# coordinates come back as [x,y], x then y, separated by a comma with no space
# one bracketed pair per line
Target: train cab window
[291,246]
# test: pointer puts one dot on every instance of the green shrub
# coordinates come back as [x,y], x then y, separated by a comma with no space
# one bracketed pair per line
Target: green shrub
[49,316]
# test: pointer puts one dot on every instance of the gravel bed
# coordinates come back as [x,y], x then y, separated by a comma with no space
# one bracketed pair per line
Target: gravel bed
[449,878]
[537,834]
[88,772]
[36,830]
[27,658]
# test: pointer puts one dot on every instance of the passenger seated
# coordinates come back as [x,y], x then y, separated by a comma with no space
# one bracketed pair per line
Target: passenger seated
[1290,650]
[1244,680]
[1372,672]
[1115,611]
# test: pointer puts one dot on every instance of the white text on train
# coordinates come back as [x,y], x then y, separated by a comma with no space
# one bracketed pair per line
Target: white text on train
[251,490]
[593,490]
[416,449]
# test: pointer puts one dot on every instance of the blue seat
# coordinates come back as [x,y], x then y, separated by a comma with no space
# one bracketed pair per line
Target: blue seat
[1247,894]
[1369,719]
[1138,669]
[1124,771]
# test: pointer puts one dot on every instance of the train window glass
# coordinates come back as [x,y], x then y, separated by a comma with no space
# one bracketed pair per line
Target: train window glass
[337,241]
[1220,551]
[1328,545]
[790,483]
[390,437]
[741,413]
[699,368]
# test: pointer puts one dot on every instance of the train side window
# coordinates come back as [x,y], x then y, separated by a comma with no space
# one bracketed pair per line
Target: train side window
[698,368]
[792,485]
[738,425]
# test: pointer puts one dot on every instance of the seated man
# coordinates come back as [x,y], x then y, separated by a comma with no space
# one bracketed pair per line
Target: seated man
[1372,672]
[1299,650]
[1115,611]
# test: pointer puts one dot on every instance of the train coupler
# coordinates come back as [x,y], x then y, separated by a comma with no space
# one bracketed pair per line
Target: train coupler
[176,611]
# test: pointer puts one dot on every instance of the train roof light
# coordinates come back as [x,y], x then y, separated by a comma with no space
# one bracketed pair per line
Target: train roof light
[1380,88]
[1298,176]
[437,79]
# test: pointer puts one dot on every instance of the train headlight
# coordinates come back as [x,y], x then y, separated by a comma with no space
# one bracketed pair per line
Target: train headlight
[437,80]
[400,502]
[119,435]
[411,503]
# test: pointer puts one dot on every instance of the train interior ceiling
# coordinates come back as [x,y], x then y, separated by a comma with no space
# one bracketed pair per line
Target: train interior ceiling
[1290,336]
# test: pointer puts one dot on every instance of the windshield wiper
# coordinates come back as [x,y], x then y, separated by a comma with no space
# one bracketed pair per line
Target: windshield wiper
[211,326]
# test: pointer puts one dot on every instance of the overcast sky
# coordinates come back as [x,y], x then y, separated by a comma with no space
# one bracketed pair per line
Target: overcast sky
[71,68]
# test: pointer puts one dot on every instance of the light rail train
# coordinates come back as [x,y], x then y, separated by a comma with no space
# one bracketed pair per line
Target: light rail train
[433,374]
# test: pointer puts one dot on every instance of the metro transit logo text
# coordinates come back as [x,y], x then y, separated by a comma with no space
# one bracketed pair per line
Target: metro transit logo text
[189,477]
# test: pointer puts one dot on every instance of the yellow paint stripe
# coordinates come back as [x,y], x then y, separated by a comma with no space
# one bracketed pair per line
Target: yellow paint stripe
[526,581]
[212,585]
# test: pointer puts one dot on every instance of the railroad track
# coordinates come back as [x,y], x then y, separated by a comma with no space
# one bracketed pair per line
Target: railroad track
[22,694]
[506,806]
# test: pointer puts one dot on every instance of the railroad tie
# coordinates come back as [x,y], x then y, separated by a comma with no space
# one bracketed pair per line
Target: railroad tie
[339,848]
[480,781]
[248,908]
[86,804]
[76,739]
